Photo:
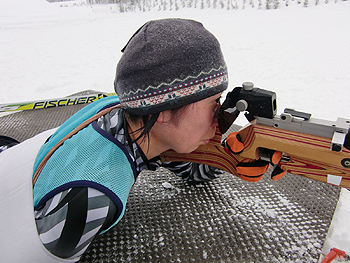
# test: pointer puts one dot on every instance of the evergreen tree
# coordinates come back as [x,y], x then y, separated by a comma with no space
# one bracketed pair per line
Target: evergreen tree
[189,3]
[176,6]
[121,8]
[222,4]
[251,3]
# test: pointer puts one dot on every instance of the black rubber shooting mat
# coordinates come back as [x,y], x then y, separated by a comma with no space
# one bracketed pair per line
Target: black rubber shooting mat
[225,220]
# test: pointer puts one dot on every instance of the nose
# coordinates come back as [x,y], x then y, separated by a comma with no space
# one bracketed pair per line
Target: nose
[216,112]
[215,121]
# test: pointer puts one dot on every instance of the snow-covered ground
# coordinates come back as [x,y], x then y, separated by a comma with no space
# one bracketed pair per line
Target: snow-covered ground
[339,231]
[49,51]
[301,53]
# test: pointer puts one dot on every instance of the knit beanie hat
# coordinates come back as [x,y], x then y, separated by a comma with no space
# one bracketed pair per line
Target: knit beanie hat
[168,64]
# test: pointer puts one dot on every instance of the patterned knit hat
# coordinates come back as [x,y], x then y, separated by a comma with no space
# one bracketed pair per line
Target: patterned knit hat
[168,64]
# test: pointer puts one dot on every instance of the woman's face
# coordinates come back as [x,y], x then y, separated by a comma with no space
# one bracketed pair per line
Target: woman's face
[195,126]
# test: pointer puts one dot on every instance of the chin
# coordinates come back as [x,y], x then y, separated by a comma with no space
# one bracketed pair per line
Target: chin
[187,150]
[190,149]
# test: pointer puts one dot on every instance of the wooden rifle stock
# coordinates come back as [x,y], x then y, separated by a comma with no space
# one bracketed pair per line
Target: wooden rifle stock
[306,155]
[309,155]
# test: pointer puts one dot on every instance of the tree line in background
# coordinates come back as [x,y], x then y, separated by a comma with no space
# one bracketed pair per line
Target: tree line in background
[174,5]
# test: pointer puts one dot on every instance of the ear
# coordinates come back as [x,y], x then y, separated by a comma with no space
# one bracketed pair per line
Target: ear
[164,116]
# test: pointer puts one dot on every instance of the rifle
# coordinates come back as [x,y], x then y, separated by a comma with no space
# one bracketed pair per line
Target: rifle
[313,148]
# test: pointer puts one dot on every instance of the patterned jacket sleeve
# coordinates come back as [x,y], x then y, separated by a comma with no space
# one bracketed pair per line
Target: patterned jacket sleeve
[193,172]
[70,221]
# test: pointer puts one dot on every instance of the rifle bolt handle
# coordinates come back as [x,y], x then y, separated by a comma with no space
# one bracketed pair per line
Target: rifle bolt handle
[241,105]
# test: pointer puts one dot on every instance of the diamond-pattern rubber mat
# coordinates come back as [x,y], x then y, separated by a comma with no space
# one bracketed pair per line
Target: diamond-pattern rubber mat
[225,220]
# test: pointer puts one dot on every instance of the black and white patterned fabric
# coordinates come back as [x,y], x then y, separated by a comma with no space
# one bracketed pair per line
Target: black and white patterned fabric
[70,221]
[6,142]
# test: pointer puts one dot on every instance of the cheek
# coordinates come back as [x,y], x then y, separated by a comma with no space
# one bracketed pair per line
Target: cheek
[198,123]
[193,132]
[208,119]
[202,128]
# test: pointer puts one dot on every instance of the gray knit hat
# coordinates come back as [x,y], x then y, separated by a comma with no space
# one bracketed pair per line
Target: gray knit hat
[168,64]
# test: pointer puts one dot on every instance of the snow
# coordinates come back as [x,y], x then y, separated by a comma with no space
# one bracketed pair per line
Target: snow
[51,50]
[167,185]
[339,234]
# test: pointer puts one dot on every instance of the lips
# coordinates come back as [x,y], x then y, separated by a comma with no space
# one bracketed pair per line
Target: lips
[208,140]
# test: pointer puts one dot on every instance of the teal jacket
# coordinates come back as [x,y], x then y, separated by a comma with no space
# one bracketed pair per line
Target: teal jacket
[90,158]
